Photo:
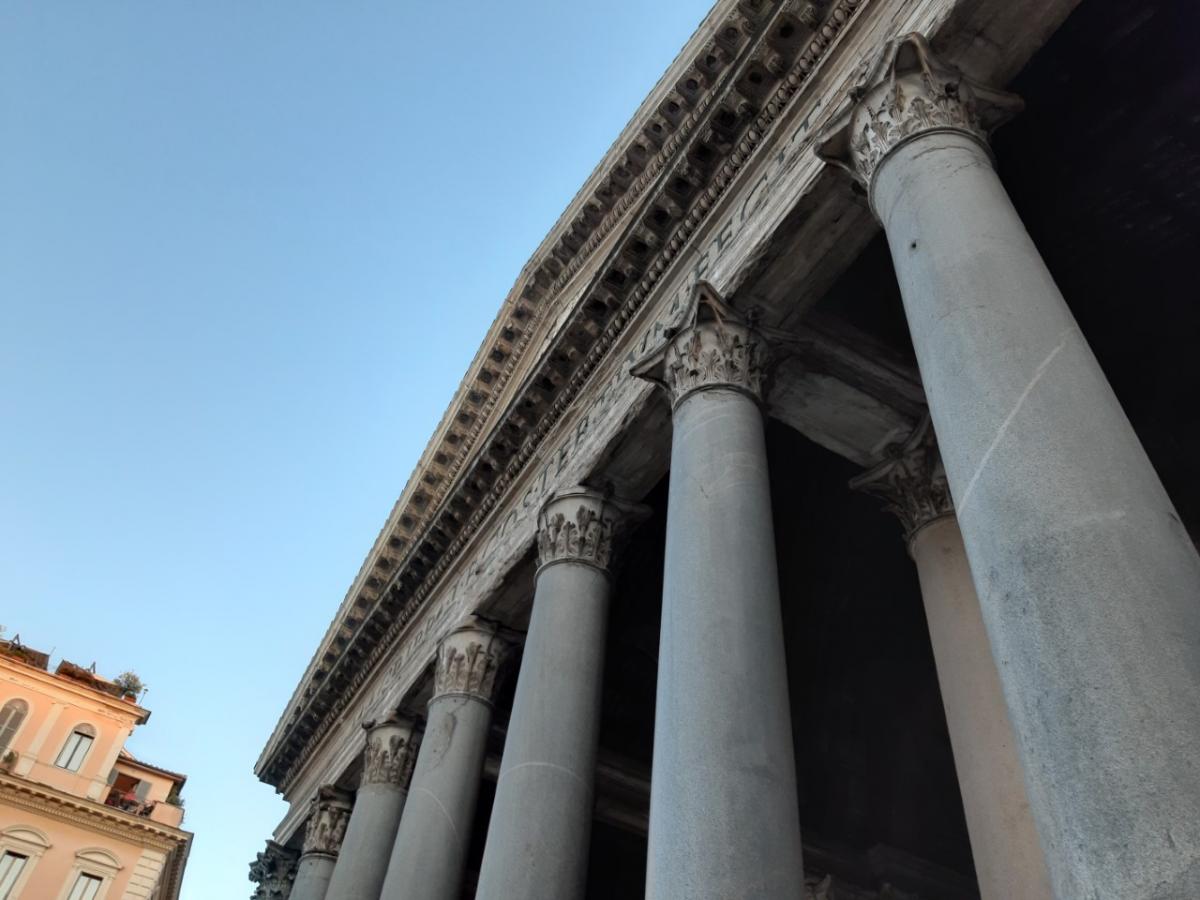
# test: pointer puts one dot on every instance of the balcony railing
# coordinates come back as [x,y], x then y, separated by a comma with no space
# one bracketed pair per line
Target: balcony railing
[124,800]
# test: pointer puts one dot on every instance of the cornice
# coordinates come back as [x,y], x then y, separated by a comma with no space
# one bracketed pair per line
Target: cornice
[758,55]
[89,814]
[118,708]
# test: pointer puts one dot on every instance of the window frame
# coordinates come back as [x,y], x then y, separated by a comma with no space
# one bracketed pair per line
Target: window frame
[5,747]
[82,730]
[26,841]
[95,862]
[10,892]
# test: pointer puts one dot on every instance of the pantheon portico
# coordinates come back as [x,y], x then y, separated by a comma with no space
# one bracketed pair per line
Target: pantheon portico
[817,519]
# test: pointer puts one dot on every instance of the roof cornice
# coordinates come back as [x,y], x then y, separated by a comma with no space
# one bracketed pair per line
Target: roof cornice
[712,110]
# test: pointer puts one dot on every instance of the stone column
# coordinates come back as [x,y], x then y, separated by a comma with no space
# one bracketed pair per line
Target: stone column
[724,820]
[537,844]
[1009,861]
[1089,585]
[322,840]
[431,844]
[273,871]
[387,767]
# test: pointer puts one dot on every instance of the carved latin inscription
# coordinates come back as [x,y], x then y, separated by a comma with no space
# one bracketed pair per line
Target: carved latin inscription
[904,92]
[391,752]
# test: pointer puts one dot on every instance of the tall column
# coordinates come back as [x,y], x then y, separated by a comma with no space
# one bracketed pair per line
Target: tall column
[273,871]
[537,844]
[431,844]
[322,840]
[1009,861]
[1089,585]
[387,767]
[724,820]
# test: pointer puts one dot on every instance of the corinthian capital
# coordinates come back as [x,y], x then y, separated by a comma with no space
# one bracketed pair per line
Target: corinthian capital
[273,871]
[327,821]
[904,92]
[469,661]
[715,348]
[582,525]
[912,481]
[391,751]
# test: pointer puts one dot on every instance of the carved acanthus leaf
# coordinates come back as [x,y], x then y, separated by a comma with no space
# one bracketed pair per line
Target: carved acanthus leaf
[715,348]
[911,480]
[391,752]
[581,525]
[273,871]
[469,661]
[330,814]
[903,92]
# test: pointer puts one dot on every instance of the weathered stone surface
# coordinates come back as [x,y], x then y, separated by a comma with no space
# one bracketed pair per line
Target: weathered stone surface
[387,767]
[775,190]
[431,842]
[1087,579]
[273,871]
[720,818]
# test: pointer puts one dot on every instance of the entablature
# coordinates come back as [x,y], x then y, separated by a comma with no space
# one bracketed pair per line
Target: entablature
[713,208]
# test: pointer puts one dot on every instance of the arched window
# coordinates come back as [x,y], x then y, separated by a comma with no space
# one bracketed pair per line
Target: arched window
[75,750]
[12,714]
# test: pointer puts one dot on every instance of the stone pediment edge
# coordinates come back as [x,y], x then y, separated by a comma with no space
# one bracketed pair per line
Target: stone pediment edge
[408,584]
[510,305]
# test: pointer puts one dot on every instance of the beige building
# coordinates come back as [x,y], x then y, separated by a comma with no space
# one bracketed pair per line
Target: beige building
[640,625]
[80,817]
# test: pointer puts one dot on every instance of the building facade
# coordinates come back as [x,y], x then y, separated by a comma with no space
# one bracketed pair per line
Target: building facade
[818,517]
[80,817]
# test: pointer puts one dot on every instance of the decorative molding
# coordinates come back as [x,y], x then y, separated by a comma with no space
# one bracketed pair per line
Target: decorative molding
[469,661]
[716,347]
[582,525]
[88,814]
[391,751]
[443,506]
[904,92]
[273,870]
[911,480]
[327,821]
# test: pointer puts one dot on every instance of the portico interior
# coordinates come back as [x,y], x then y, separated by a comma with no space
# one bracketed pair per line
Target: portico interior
[878,796]
[1103,168]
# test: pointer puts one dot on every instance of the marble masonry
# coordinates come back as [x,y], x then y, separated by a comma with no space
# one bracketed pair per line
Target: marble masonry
[818,518]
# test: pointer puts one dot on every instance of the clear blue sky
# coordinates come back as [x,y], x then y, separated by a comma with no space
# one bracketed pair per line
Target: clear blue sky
[246,253]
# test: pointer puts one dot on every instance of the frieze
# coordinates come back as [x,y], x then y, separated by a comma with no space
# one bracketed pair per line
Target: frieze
[911,480]
[273,871]
[283,758]
[904,92]
[328,817]
[390,753]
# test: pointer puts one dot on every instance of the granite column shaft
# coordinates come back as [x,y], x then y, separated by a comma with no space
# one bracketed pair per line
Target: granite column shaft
[538,838]
[1088,582]
[724,817]
[387,766]
[430,850]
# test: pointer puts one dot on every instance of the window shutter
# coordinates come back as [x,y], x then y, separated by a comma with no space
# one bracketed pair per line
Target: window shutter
[12,714]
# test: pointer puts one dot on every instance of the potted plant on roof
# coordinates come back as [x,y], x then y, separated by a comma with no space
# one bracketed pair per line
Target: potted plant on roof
[129,685]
